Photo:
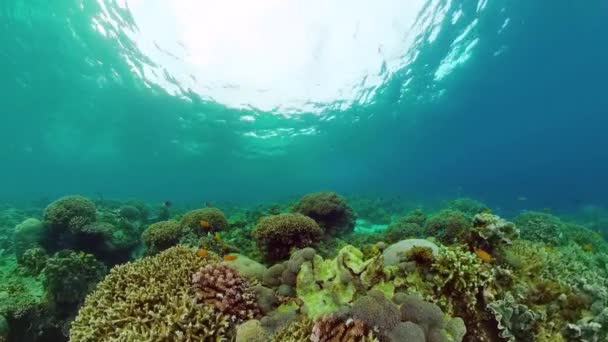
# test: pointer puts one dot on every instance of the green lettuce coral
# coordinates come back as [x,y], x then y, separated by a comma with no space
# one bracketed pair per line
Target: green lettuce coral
[151,300]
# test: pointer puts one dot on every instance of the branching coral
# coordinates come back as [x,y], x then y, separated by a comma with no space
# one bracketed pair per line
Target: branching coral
[276,235]
[461,275]
[297,331]
[151,300]
[223,288]
[332,328]
[329,210]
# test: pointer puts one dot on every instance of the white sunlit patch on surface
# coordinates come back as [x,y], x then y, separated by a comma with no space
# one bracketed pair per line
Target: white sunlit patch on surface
[285,56]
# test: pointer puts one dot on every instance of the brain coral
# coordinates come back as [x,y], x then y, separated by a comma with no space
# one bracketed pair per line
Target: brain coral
[329,210]
[71,212]
[151,300]
[214,216]
[161,235]
[276,235]
[222,287]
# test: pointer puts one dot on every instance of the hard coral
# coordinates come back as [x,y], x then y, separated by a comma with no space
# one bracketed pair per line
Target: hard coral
[223,288]
[461,276]
[376,311]
[70,212]
[162,235]
[332,328]
[276,235]
[215,217]
[543,227]
[70,276]
[329,210]
[151,300]
[448,226]
[251,331]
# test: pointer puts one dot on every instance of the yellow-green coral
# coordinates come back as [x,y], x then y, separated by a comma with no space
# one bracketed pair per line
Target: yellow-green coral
[461,275]
[151,300]
[297,331]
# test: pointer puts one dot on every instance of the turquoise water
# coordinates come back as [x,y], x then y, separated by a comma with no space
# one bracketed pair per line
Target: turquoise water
[517,113]
[246,106]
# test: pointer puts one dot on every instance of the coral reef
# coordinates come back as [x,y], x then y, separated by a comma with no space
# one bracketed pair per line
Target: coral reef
[329,210]
[214,217]
[28,234]
[542,227]
[333,328]
[223,288]
[448,226]
[150,300]
[70,212]
[462,274]
[251,331]
[70,275]
[396,252]
[467,206]
[276,235]
[162,235]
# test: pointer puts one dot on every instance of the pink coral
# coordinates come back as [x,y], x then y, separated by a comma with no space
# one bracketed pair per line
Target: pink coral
[223,288]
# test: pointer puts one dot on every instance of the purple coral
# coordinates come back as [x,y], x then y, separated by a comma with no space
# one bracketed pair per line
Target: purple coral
[223,288]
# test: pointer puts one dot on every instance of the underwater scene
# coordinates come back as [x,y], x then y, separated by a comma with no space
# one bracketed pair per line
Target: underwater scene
[303,171]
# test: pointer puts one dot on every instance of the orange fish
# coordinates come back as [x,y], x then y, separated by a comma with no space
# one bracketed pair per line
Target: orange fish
[202,253]
[217,236]
[230,257]
[483,255]
[205,224]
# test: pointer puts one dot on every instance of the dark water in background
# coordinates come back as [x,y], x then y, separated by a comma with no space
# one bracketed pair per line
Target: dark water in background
[524,116]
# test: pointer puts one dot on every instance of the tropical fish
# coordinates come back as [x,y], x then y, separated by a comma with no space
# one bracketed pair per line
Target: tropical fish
[522,198]
[588,247]
[217,236]
[483,255]
[205,224]
[203,253]
[167,203]
[486,211]
[230,257]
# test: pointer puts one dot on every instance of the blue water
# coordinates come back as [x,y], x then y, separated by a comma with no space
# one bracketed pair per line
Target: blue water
[523,117]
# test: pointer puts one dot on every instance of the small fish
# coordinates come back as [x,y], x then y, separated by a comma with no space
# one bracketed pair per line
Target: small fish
[483,255]
[217,236]
[167,203]
[230,257]
[486,211]
[205,224]
[588,247]
[203,253]
[522,198]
